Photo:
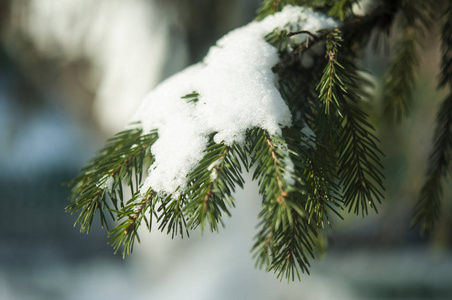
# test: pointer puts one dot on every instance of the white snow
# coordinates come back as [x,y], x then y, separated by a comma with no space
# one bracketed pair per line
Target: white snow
[106,182]
[310,136]
[289,170]
[237,92]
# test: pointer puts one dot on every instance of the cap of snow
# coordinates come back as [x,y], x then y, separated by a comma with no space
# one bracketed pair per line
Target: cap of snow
[237,92]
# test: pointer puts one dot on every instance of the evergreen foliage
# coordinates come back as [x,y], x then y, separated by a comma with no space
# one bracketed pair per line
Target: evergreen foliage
[99,187]
[285,235]
[428,207]
[413,19]
[212,183]
[327,161]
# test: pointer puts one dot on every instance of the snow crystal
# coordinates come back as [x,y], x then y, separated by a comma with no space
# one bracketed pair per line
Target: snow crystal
[237,92]
[214,164]
[214,175]
[106,183]
[310,136]
[289,170]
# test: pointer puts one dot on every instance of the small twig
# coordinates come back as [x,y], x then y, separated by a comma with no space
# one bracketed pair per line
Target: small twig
[284,193]
[302,32]
[135,217]
[332,56]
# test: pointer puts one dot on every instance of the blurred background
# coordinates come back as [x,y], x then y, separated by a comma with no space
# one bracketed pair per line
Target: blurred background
[71,74]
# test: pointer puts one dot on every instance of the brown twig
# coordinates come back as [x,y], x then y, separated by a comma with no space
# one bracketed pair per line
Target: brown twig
[302,32]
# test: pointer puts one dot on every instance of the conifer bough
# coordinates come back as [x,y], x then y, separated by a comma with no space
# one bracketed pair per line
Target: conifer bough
[280,97]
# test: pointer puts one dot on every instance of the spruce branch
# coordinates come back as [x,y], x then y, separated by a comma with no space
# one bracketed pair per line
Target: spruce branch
[359,161]
[271,155]
[400,78]
[414,18]
[428,207]
[285,238]
[323,191]
[359,167]
[330,82]
[133,214]
[342,9]
[212,183]
[446,46]
[171,216]
[99,187]
[279,39]
[300,175]
[292,249]
[270,7]
[297,86]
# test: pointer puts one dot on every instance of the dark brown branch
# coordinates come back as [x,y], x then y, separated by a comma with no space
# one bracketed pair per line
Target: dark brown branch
[302,32]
